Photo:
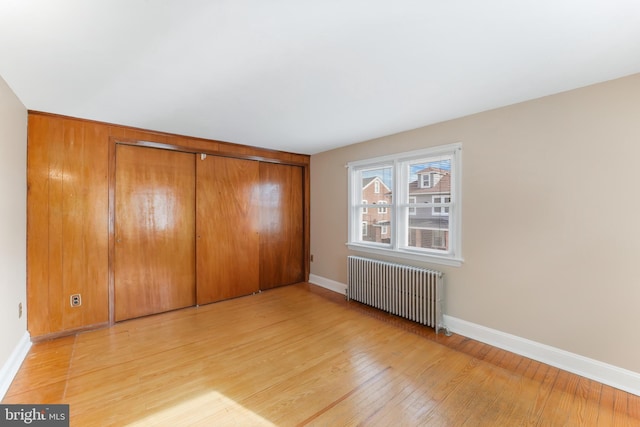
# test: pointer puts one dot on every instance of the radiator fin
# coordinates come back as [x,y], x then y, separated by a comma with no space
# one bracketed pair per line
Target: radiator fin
[410,292]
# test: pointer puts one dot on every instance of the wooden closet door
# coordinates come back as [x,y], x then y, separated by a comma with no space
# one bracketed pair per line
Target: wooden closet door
[282,225]
[154,266]
[227,225]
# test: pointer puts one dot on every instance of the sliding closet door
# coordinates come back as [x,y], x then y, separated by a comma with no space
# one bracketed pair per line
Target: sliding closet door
[227,226]
[154,266]
[282,225]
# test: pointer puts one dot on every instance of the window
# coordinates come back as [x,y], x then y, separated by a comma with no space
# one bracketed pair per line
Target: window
[421,194]
[365,226]
[438,239]
[425,180]
[441,210]
[376,186]
[412,209]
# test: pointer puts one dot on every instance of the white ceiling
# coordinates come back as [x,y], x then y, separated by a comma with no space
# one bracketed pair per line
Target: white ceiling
[306,76]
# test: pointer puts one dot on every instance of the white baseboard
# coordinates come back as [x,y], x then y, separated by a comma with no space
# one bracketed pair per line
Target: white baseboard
[604,373]
[10,368]
[332,285]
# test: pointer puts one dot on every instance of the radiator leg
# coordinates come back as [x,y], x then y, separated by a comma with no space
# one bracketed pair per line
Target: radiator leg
[443,328]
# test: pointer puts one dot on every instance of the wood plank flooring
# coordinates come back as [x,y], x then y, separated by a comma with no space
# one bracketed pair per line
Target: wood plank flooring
[302,355]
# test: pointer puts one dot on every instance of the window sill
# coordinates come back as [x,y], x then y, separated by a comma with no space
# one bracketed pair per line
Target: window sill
[404,254]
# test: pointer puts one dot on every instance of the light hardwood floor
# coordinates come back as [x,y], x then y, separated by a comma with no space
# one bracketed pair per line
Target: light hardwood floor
[302,355]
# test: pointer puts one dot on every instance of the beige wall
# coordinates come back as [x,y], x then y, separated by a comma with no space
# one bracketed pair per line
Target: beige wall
[551,218]
[13,219]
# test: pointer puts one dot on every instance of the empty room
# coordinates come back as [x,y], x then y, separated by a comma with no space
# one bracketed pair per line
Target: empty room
[319,213]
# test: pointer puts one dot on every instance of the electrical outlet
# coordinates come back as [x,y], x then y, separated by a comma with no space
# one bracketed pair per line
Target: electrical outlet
[19,310]
[76,300]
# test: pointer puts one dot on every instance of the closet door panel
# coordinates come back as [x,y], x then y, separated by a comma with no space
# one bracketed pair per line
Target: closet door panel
[227,225]
[282,225]
[154,266]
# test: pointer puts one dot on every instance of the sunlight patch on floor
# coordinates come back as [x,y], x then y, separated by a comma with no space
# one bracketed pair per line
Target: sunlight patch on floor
[212,408]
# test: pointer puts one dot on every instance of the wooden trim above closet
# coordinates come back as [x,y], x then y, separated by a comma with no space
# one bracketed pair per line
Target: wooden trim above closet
[192,149]
[187,143]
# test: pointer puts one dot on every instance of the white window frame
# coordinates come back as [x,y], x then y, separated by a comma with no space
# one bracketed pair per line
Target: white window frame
[364,226]
[384,229]
[399,209]
[382,210]
[365,209]
[376,186]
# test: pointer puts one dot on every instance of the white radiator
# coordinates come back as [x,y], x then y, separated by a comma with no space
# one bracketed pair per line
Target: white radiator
[410,292]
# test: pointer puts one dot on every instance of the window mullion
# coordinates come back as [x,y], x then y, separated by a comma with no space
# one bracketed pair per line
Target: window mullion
[399,200]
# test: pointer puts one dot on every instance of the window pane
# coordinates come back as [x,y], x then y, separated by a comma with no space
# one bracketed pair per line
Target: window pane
[429,193]
[379,233]
[376,192]
[427,237]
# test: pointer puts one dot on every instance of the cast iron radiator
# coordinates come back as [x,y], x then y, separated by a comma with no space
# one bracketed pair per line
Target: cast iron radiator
[410,292]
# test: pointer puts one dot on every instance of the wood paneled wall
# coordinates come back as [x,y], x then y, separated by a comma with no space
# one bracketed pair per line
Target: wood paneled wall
[68,214]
